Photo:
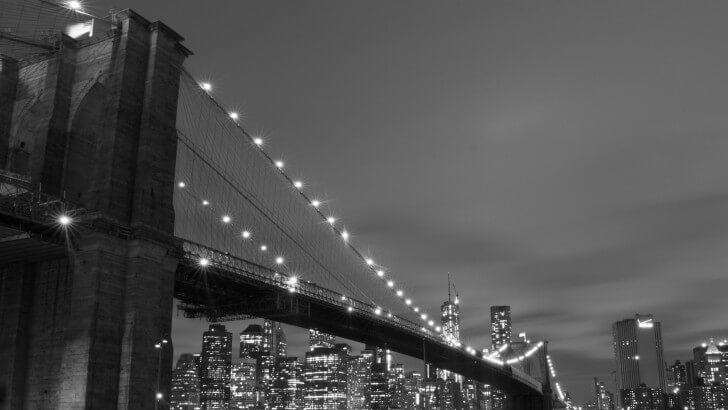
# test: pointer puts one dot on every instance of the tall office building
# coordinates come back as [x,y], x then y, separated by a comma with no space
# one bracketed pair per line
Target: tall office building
[253,342]
[379,387]
[450,323]
[185,394]
[359,371]
[320,339]
[500,326]
[215,366]
[639,356]
[603,398]
[286,391]
[325,377]
[279,345]
[398,398]
[711,362]
[243,385]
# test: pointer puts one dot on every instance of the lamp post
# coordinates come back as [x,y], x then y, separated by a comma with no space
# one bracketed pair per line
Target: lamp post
[159,396]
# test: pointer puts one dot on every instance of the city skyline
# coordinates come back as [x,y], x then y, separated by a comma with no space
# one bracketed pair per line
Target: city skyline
[586,167]
[327,164]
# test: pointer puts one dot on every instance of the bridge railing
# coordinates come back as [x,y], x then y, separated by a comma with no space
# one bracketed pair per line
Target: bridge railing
[25,200]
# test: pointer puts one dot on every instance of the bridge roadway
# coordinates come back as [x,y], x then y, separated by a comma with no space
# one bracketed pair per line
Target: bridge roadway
[229,286]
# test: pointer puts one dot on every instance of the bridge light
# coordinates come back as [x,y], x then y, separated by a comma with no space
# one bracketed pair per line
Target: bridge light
[345,235]
[181,184]
[165,341]
[246,234]
[263,248]
[64,220]
[377,311]
[343,297]
[350,309]
[408,301]
[226,219]
[389,314]
[298,184]
[370,262]
[159,396]
[279,260]
[400,293]
[390,284]
[205,202]
[438,328]
[279,164]
[331,220]
[158,346]
[380,273]
[292,280]
[417,309]
[258,141]
[206,86]
[204,262]
[315,203]
[431,323]
[234,115]
[74,5]
[423,316]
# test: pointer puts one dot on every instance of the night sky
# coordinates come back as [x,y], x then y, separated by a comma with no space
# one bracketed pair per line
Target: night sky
[564,158]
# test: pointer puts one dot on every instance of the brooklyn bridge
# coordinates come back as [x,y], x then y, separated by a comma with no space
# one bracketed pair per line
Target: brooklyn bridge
[124,185]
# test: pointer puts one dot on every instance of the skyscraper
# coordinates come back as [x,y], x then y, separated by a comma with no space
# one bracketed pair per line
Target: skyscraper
[500,326]
[325,377]
[185,394]
[450,322]
[215,366]
[378,387]
[639,356]
[287,387]
[711,362]
[603,398]
[359,370]
[243,385]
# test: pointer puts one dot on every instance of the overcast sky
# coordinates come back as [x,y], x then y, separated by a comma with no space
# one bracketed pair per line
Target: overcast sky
[565,158]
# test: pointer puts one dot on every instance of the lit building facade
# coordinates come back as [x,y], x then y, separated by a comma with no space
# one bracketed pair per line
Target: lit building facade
[500,326]
[286,391]
[215,368]
[317,338]
[604,400]
[243,385]
[185,394]
[638,355]
[359,372]
[378,396]
[711,362]
[450,323]
[325,381]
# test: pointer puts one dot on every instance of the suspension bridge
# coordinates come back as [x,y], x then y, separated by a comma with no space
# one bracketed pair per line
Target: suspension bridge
[124,183]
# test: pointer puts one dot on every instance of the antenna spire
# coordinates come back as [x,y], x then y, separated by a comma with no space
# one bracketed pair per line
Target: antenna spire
[448,286]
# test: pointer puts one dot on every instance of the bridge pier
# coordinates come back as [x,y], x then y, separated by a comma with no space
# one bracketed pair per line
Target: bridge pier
[94,123]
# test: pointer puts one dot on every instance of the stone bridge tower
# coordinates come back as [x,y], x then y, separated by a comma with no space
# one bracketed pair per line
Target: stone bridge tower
[92,121]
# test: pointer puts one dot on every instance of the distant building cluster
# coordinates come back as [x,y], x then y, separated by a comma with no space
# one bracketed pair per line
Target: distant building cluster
[645,382]
[329,375]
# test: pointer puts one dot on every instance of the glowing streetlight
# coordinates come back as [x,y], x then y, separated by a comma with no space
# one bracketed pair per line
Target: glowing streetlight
[279,164]
[263,248]
[400,293]
[74,5]
[298,184]
[246,234]
[206,86]
[226,219]
[331,220]
[380,273]
[181,184]
[258,141]
[204,262]
[345,235]
[205,202]
[234,115]
[279,260]
[64,220]
[390,284]
[315,203]
[370,262]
